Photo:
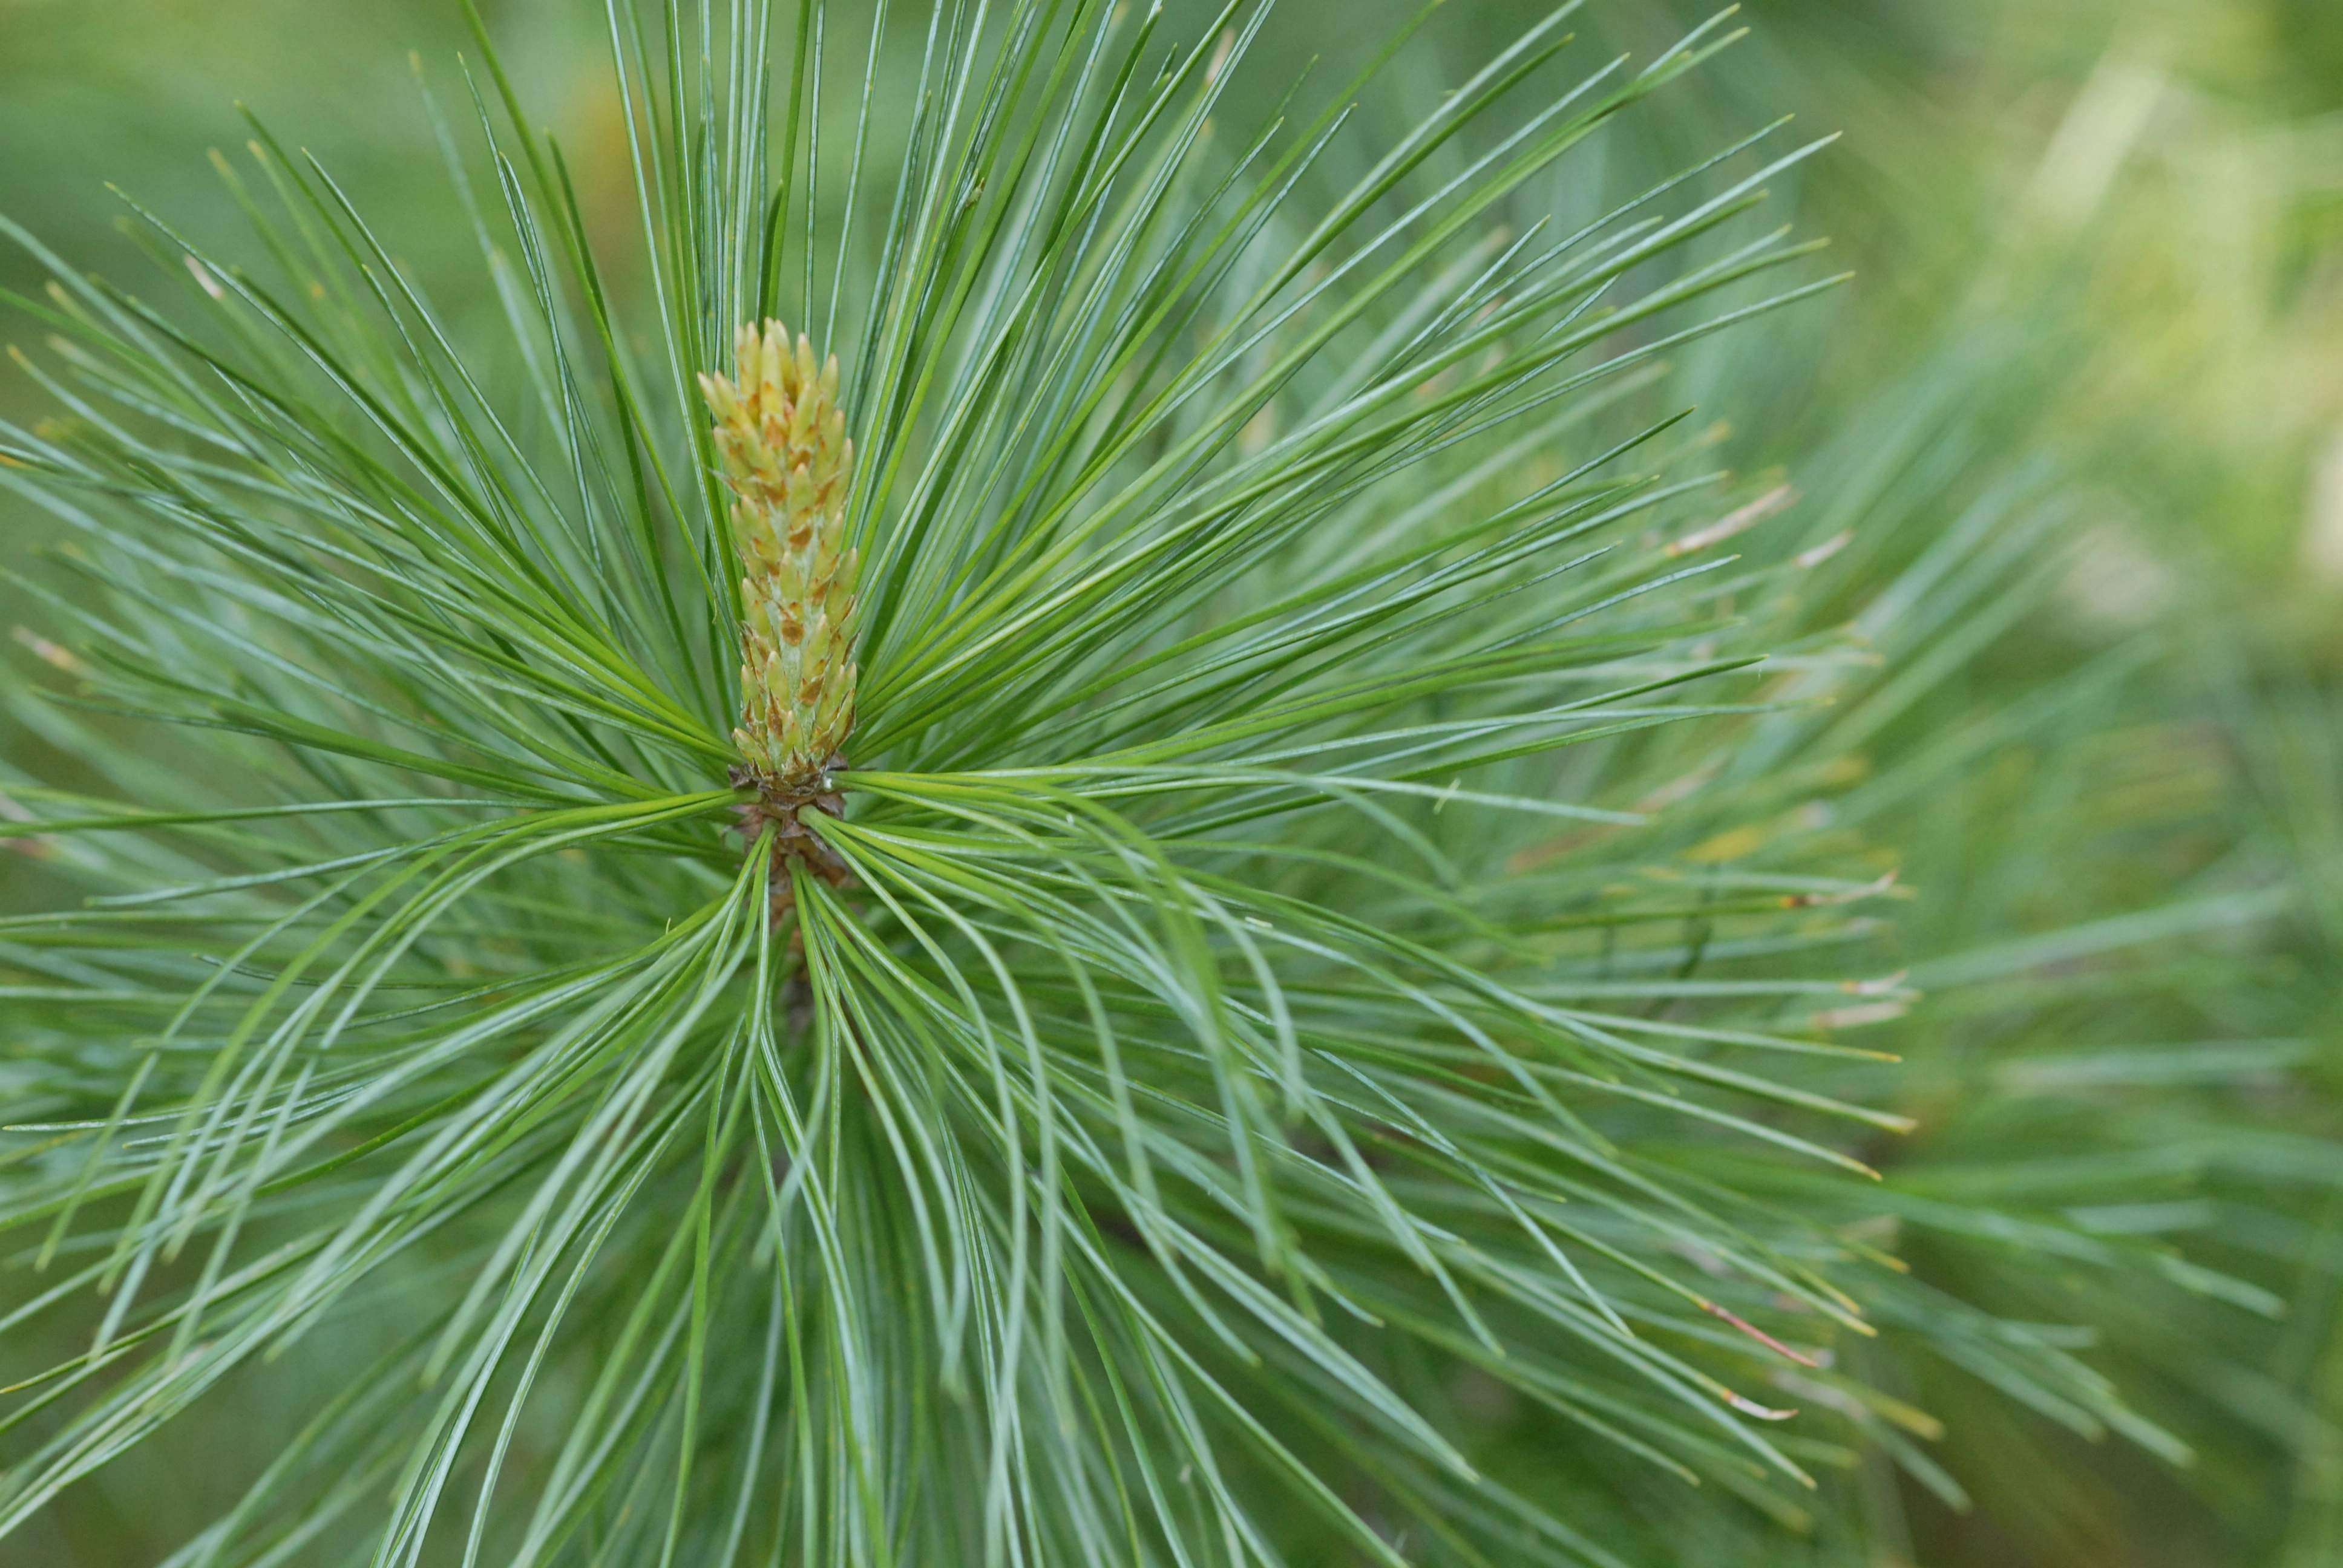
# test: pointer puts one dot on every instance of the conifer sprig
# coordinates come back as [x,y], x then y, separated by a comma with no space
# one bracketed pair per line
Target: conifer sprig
[1325,912]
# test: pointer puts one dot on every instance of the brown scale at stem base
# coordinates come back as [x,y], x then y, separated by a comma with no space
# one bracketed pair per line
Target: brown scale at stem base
[780,808]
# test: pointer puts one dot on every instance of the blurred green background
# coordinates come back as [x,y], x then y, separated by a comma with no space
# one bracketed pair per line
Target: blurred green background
[2098,248]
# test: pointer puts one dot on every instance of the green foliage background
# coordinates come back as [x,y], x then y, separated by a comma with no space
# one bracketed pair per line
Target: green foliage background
[2098,305]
